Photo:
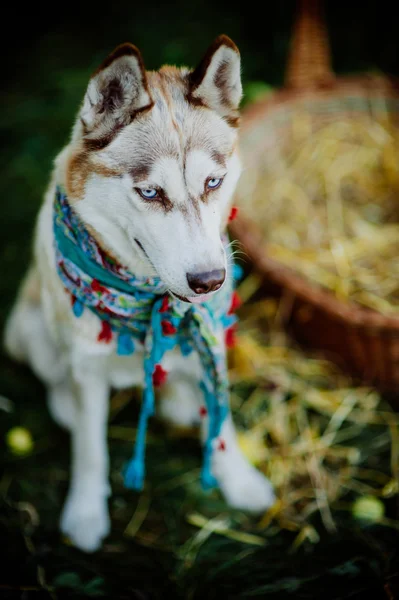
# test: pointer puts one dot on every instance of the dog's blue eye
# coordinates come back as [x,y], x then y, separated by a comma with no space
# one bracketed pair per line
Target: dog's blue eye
[149,193]
[214,182]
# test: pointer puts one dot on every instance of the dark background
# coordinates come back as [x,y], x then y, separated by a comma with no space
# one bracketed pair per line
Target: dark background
[50,50]
[48,54]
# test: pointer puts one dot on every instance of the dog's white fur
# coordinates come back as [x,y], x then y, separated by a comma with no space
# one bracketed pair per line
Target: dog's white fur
[179,135]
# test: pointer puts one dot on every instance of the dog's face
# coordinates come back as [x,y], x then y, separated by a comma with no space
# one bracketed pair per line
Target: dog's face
[154,163]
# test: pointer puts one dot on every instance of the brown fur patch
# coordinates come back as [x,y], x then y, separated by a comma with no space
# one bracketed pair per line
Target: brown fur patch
[197,102]
[204,197]
[172,74]
[77,173]
[219,158]
[163,77]
[78,170]
[233,120]
[195,203]
[166,203]
[140,172]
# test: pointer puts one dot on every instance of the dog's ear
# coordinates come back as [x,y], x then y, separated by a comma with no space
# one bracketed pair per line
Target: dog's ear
[216,82]
[117,91]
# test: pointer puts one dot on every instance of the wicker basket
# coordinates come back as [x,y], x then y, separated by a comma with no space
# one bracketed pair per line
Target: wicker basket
[364,341]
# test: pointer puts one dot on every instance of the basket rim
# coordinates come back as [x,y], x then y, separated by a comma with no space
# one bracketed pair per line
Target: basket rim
[350,313]
[364,84]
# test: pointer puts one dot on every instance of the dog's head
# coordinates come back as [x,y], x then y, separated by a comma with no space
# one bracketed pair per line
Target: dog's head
[153,164]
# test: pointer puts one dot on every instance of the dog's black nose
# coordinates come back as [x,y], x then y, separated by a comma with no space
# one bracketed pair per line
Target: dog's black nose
[203,283]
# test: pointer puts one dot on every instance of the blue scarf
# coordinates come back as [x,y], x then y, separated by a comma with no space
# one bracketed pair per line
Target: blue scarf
[134,308]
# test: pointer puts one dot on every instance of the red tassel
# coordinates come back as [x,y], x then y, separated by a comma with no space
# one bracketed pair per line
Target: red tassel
[105,334]
[168,328]
[235,303]
[230,337]
[222,445]
[159,376]
[165,305]
[97,287]
[233,213]
[202,411]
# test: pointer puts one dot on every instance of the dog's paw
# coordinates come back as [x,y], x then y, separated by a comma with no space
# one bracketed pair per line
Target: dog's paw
[85,520]
[245,488]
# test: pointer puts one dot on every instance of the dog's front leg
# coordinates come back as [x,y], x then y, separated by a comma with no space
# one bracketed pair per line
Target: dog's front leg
[182,403]
[243,486]
[85,518]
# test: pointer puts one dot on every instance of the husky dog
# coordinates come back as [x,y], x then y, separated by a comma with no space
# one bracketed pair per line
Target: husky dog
[150,170]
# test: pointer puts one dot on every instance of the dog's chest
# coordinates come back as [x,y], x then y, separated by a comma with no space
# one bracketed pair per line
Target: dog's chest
[127,371]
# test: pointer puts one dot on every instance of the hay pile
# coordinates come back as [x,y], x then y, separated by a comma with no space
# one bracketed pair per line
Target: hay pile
[316,436]
[324,190]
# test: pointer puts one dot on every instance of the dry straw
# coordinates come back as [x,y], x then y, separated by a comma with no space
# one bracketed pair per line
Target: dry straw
[314,434]
[326,201]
